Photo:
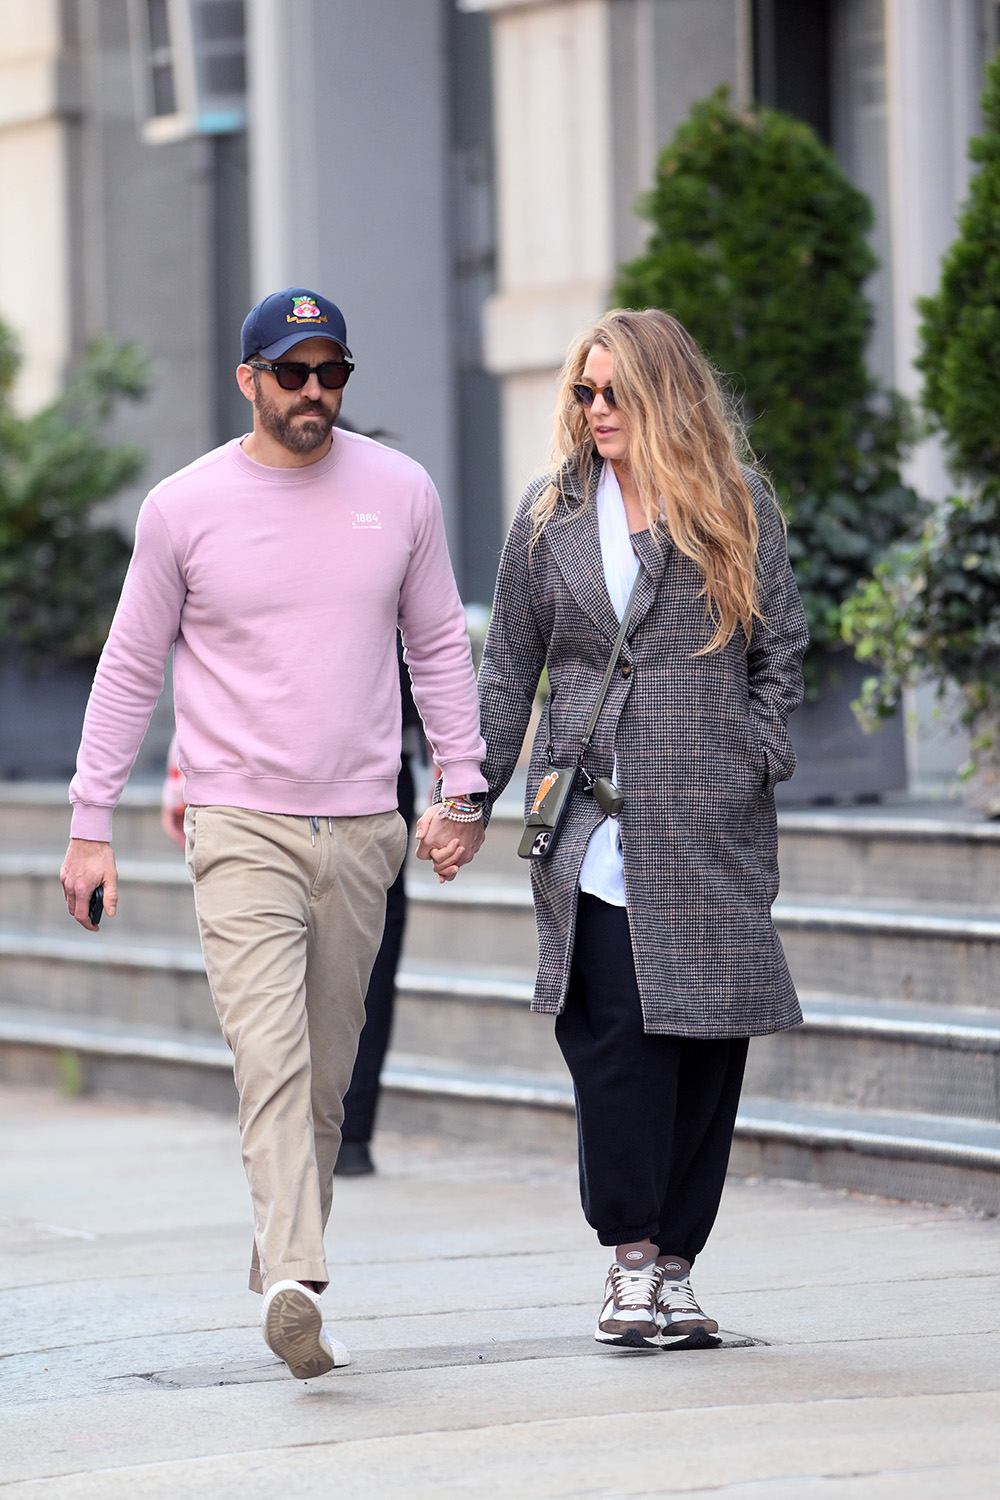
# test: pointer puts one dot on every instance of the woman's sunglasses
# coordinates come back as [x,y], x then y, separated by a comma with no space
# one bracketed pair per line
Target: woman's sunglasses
[585,394]
[333,375]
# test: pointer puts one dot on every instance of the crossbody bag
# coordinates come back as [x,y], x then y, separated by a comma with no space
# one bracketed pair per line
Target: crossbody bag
[548,810]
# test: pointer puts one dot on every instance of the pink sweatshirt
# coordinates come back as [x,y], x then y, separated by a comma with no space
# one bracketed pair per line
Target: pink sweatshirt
[280,590]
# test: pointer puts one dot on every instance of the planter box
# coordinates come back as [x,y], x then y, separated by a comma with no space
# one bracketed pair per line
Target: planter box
[41,715]
[837,761]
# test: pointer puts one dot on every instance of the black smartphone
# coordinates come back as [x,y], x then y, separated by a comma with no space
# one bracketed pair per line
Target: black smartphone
[96,909]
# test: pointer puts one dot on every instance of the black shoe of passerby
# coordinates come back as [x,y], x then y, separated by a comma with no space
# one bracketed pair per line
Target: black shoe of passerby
[354,1160]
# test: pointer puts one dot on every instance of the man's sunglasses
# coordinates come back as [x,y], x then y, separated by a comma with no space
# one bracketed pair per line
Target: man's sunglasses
[585,394]
[333,375]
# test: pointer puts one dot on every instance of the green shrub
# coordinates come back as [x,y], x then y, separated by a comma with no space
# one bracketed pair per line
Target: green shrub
[60,573]
[759,247]
[933,606]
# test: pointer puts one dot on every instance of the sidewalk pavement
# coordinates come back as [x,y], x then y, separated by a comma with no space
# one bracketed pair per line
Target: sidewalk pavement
[863,1358]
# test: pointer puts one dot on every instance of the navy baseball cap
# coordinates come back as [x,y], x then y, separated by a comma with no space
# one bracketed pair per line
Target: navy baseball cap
[286,318]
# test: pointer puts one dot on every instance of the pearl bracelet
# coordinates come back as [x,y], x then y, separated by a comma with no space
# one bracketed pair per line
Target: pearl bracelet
[457,810]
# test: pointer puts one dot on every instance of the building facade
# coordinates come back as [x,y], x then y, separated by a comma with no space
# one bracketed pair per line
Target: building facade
[461,175]
[163,163]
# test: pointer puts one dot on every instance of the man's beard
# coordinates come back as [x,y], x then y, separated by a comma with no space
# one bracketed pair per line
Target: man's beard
[297,438]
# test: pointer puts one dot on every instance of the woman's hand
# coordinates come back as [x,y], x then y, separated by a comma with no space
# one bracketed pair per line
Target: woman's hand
[446,844]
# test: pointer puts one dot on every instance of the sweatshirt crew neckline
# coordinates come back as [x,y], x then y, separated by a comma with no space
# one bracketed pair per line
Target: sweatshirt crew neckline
[273,474]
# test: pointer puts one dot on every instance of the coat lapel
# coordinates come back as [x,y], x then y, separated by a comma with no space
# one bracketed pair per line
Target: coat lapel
[656,556]
[575,542]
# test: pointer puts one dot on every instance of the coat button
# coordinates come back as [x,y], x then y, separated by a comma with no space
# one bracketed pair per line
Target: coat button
[626,669]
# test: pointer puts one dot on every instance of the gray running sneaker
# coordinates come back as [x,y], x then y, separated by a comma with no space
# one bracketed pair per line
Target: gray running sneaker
[293,1330]
[628,1317]
[677,1312]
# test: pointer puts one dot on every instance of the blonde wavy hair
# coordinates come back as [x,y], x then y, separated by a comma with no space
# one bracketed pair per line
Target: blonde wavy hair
[685,446]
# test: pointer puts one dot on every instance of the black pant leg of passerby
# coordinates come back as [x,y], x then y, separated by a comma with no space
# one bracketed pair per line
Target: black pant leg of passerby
[633,1095]
[361,1099]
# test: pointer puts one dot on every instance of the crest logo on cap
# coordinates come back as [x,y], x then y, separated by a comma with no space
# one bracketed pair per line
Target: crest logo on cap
[304,308]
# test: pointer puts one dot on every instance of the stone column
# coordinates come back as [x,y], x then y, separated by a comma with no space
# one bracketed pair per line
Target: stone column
[36,93]
[586,92]
[935,75]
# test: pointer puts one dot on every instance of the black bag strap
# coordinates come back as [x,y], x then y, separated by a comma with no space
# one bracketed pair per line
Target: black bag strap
[602,691]
[612,663]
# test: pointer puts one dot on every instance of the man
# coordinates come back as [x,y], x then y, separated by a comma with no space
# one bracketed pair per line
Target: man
[278,568]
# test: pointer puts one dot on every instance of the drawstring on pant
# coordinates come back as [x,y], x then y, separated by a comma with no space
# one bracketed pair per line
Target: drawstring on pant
[314,828]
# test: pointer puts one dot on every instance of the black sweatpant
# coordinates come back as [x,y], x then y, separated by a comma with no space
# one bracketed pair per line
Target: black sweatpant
[655,1114]
[361,1099]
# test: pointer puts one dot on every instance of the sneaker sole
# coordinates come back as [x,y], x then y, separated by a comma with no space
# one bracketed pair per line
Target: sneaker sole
[292,1332]
[683,1330]
[632,1338]
[698,1338]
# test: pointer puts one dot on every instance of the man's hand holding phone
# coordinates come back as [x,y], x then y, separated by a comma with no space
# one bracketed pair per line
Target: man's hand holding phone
[89,867]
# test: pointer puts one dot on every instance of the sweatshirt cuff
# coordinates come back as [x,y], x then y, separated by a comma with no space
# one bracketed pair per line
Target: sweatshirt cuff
[460,776]
[91,821]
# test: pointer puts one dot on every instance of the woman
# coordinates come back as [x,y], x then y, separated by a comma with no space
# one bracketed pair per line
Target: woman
[657,951]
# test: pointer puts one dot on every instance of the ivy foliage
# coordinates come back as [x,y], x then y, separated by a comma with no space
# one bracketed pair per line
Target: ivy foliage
[60,570]
[933,605]
[759,246]
[933,609]
[960,330]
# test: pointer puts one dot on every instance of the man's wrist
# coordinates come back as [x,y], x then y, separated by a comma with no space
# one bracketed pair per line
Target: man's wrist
[465,809]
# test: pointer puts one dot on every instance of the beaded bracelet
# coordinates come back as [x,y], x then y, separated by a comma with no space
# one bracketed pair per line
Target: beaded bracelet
[461,810]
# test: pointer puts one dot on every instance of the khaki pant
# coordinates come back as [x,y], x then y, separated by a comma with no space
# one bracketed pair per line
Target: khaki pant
[290,924]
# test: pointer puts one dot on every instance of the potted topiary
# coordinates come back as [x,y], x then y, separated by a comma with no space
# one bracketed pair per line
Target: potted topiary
[932,609]
[60,569]
[759,247]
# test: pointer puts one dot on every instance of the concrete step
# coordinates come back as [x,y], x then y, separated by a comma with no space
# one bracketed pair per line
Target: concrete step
[35,816]
[919,853]
[515,1108]
[892,952]
[872,1054]
[909,953]
[931,1158]
[922,853]
[938,853]
[480,1016]
[155,898]
[101,1056]
[948,954]
[472,921]
[928,1060]
[895,1092]
[93,975]
[917,1158]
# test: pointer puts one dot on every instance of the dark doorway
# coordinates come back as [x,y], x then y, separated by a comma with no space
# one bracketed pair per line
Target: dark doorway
[792,59]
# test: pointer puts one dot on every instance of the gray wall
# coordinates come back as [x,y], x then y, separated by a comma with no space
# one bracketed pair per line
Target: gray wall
[665,54]
[143,261]
[383,220]
[349,146]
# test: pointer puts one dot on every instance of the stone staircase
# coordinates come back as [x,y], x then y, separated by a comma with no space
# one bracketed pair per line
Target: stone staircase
[890,918]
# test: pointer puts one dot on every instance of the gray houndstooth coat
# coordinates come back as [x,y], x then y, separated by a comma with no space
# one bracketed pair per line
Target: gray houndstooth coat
[701,742]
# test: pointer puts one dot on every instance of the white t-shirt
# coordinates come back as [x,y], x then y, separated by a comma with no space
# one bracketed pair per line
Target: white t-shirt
[602,872]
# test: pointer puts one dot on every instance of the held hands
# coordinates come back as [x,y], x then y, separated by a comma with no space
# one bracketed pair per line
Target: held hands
[446,844]
[87,865]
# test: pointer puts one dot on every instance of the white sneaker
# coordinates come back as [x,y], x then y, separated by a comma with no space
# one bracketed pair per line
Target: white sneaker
[293,1330]
[677,1312]
[628,1317]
